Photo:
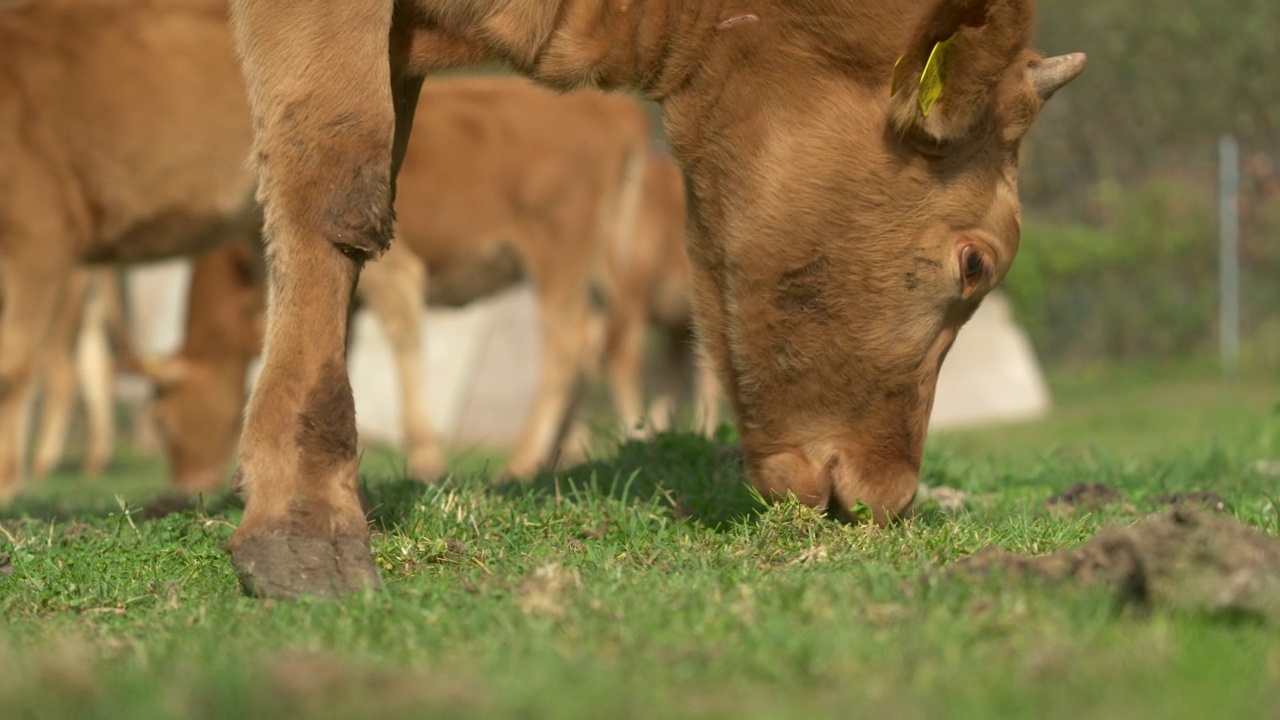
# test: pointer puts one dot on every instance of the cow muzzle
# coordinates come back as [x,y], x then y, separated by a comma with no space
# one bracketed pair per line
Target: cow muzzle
[837,480]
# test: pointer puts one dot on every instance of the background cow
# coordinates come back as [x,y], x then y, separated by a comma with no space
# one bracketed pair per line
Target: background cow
[538,184]
[123,132]
[541,194]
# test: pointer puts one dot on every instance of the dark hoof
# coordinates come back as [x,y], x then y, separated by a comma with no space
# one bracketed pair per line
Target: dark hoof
[727,454]
[167,503]
[507,481]
[176,501]
[428,473]
[274,565]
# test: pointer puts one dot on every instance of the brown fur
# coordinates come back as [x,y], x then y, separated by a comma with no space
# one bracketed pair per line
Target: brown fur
[538,183]
[123,131]
[540,191]
[796,158]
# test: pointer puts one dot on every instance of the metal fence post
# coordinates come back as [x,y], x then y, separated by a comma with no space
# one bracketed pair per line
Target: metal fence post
[1229,255]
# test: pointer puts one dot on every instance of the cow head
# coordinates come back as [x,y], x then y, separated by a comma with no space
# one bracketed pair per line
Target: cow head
[854,197]
[196,406]
[199,392]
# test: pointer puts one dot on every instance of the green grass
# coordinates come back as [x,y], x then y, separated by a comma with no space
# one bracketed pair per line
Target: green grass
[653,584]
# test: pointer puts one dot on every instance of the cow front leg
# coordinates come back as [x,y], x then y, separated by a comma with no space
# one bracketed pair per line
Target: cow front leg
[563,321]
[394,288]
[31,297]
[325,132]
[58,391]
[95,367]
[624,364]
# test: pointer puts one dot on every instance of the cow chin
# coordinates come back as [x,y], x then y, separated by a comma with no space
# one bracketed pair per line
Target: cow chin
[836,479]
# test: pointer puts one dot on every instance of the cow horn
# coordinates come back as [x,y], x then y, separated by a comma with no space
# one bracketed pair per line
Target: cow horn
[1051,74]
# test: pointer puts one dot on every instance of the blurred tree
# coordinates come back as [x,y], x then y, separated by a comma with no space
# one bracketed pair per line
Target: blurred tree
[1165,79]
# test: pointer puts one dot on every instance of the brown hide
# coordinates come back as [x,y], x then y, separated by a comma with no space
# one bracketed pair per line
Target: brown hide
[105,108]
[123,134]
[507,179]
[839,235]
[504,181]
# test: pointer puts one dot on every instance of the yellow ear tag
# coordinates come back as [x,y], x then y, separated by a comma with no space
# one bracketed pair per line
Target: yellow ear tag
[897,78]
[931,78]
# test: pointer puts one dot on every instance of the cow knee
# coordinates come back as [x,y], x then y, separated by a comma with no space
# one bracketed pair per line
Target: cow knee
[360,221]
[341,191]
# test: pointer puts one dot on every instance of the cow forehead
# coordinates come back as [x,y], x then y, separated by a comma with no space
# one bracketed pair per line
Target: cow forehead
[828,171]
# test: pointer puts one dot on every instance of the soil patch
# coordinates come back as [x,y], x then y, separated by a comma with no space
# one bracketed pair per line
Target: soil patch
[950,500]
[1209,500]
[1090,496]
[1095,496]
[1183,558]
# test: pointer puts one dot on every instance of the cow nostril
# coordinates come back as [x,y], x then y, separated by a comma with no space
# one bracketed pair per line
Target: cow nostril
[909,510]
[838,512]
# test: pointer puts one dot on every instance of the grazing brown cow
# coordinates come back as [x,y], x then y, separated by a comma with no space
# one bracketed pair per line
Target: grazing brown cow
[123,133]
[547,187]
[853,184]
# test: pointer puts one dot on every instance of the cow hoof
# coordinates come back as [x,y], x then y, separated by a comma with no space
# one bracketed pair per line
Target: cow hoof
[275,565]
[428,472]
[730,454]
[167,503]
[516,475]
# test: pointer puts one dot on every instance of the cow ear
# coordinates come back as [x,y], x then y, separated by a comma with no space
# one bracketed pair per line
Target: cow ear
[956,58]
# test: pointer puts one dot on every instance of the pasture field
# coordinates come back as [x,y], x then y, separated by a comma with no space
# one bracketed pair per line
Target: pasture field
[653,584]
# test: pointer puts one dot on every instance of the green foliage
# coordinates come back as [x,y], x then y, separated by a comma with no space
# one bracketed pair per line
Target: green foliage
[1164,81]
[1141,281]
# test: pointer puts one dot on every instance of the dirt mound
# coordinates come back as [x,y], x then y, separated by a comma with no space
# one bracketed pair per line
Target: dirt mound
[1183,558]
[1095,496]
[1086,495]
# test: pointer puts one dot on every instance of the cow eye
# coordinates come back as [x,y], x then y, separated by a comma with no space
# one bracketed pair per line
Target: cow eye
[972,263]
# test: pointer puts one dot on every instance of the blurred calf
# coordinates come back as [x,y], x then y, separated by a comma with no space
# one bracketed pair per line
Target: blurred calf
[124,129]
[504,181]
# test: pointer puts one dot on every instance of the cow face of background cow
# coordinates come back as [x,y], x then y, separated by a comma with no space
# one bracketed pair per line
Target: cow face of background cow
[198,420]
[200,390]
[844,228]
